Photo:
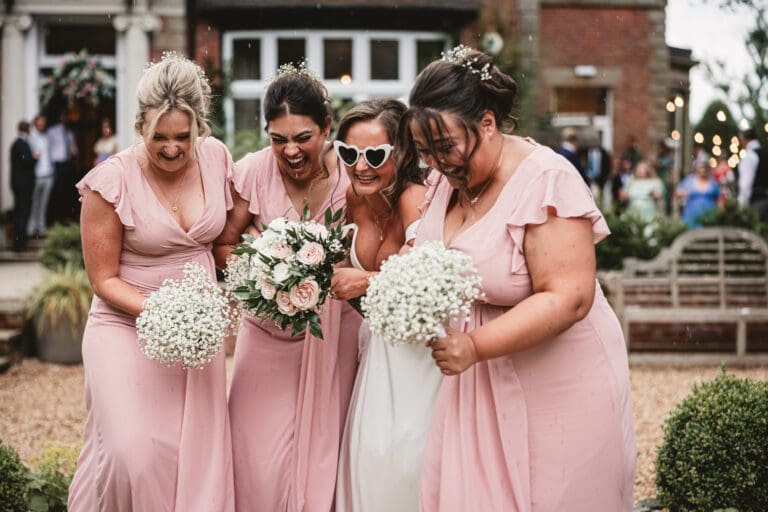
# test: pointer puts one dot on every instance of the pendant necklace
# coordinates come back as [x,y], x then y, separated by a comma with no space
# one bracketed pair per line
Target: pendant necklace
[474,200]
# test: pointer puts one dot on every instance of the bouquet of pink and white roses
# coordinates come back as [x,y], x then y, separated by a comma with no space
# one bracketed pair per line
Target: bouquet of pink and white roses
[284,274]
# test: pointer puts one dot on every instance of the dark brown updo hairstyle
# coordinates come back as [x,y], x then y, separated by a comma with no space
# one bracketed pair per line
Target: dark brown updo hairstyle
[387,112]
[465,84]
[295,90]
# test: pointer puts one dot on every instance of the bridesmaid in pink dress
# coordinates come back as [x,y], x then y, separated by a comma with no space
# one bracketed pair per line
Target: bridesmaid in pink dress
[534,414]
[157,438]
[289,395]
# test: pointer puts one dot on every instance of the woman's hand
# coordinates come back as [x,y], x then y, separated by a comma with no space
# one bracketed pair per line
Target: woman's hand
[348,283]
[454,353]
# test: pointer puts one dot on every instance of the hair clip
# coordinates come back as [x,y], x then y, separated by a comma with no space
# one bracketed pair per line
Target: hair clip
[459,56]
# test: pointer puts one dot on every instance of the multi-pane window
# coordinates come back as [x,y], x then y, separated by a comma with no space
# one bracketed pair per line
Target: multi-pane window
[337,59]
[353,65]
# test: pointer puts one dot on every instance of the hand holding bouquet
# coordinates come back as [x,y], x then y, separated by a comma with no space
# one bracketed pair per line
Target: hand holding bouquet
[284,274]
[185,321]
[416,294]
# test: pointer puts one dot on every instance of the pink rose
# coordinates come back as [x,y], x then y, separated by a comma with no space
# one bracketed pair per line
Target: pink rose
[280,250]
[305,294]
[267,290]
[311,253]
[284,304]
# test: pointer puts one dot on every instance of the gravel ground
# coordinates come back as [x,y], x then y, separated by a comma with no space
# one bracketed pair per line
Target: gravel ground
[43,402]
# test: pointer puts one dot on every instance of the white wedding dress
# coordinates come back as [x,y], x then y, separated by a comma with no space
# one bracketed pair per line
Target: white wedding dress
[385,435]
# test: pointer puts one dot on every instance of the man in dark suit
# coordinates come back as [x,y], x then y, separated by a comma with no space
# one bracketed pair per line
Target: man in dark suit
[22,185]
[569,148]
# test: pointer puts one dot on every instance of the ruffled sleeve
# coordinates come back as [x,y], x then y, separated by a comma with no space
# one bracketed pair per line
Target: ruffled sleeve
[565,191]
[108,180]
[244,177]
[220,155]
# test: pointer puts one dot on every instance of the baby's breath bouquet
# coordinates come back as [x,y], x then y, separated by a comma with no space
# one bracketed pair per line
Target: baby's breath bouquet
[284,274]
[416,294]
[186,320]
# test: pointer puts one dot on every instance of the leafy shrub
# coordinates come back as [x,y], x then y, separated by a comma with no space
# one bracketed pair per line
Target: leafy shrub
[733,214]
[633,236]
[62,297]
[247,141]
[62,246]
[714,454]
[49,484]
[13,481]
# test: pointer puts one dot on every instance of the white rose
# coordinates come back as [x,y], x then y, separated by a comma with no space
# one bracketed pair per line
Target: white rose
[317,229]
[279,224]
[305,294]
[263,242]
[280,250]
[284,304]
[311,253]
[280,272]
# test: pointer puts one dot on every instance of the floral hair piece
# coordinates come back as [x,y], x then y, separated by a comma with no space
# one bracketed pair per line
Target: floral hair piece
[172,55]
[459,55]
[300,69]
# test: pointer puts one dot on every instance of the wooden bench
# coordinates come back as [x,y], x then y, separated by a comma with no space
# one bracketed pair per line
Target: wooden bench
[707,275]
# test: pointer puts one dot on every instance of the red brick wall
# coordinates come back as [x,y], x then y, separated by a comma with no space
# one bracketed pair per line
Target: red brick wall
[207,44]
[617,38]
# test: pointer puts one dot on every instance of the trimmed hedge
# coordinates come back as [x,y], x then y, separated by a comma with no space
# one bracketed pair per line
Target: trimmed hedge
[13,481]
[715,449]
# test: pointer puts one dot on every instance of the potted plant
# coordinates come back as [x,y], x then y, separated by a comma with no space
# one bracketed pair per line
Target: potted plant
[58,309]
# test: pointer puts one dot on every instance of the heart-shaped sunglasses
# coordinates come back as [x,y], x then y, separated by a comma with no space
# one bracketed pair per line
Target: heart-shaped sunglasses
[375,157]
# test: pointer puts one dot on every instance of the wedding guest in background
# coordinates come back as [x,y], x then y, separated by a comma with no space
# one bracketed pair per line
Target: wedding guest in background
[106,145]
[569,148]
[619,183]
[44,176]
[156,437]
[701,194]
[64,204]
[289,395]
[22,185]
[753,174]
[535,410]
[380,460]
[644,192]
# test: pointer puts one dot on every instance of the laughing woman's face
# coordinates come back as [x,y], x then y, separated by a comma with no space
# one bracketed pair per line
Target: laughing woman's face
[168,149]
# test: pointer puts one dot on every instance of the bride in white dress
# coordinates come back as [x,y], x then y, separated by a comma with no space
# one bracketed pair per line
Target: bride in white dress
[396,386]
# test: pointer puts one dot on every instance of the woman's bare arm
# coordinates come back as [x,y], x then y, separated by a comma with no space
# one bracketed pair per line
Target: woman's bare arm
[102,235]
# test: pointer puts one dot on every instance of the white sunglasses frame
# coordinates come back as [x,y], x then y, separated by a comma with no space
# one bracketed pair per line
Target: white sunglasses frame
[386,147]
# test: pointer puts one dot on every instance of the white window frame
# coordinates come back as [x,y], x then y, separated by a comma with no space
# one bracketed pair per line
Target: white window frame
[360,88]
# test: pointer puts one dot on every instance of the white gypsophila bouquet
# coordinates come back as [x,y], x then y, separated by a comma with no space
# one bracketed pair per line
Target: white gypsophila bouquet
[284,274]
[185,321]
[416,294]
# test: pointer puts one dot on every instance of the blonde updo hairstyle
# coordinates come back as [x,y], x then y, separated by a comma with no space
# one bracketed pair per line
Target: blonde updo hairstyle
[175,83]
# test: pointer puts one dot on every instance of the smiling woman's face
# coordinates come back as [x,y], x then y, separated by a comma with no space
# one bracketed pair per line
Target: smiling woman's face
[168,149]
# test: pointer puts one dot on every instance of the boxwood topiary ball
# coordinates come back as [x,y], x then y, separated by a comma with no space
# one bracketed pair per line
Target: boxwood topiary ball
[715,449]
[13,481]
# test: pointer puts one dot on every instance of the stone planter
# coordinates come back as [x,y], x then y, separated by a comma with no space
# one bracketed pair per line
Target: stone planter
[59,344]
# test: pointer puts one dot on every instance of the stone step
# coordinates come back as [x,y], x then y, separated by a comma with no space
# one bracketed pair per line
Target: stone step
[6,335]
[12,256]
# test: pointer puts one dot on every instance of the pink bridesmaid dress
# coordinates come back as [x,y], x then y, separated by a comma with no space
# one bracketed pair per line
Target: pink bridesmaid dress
[547,429]
[157,438]
[289,395]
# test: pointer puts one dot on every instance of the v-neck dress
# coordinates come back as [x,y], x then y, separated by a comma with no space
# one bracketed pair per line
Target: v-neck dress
[547,429]
[289,395]
[156,437]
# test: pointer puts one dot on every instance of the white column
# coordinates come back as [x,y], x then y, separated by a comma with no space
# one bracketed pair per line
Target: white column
[13,95]
[132,56]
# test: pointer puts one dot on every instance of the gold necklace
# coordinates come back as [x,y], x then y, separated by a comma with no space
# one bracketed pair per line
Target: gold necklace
[474,200]
[175,203]
[377,218]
